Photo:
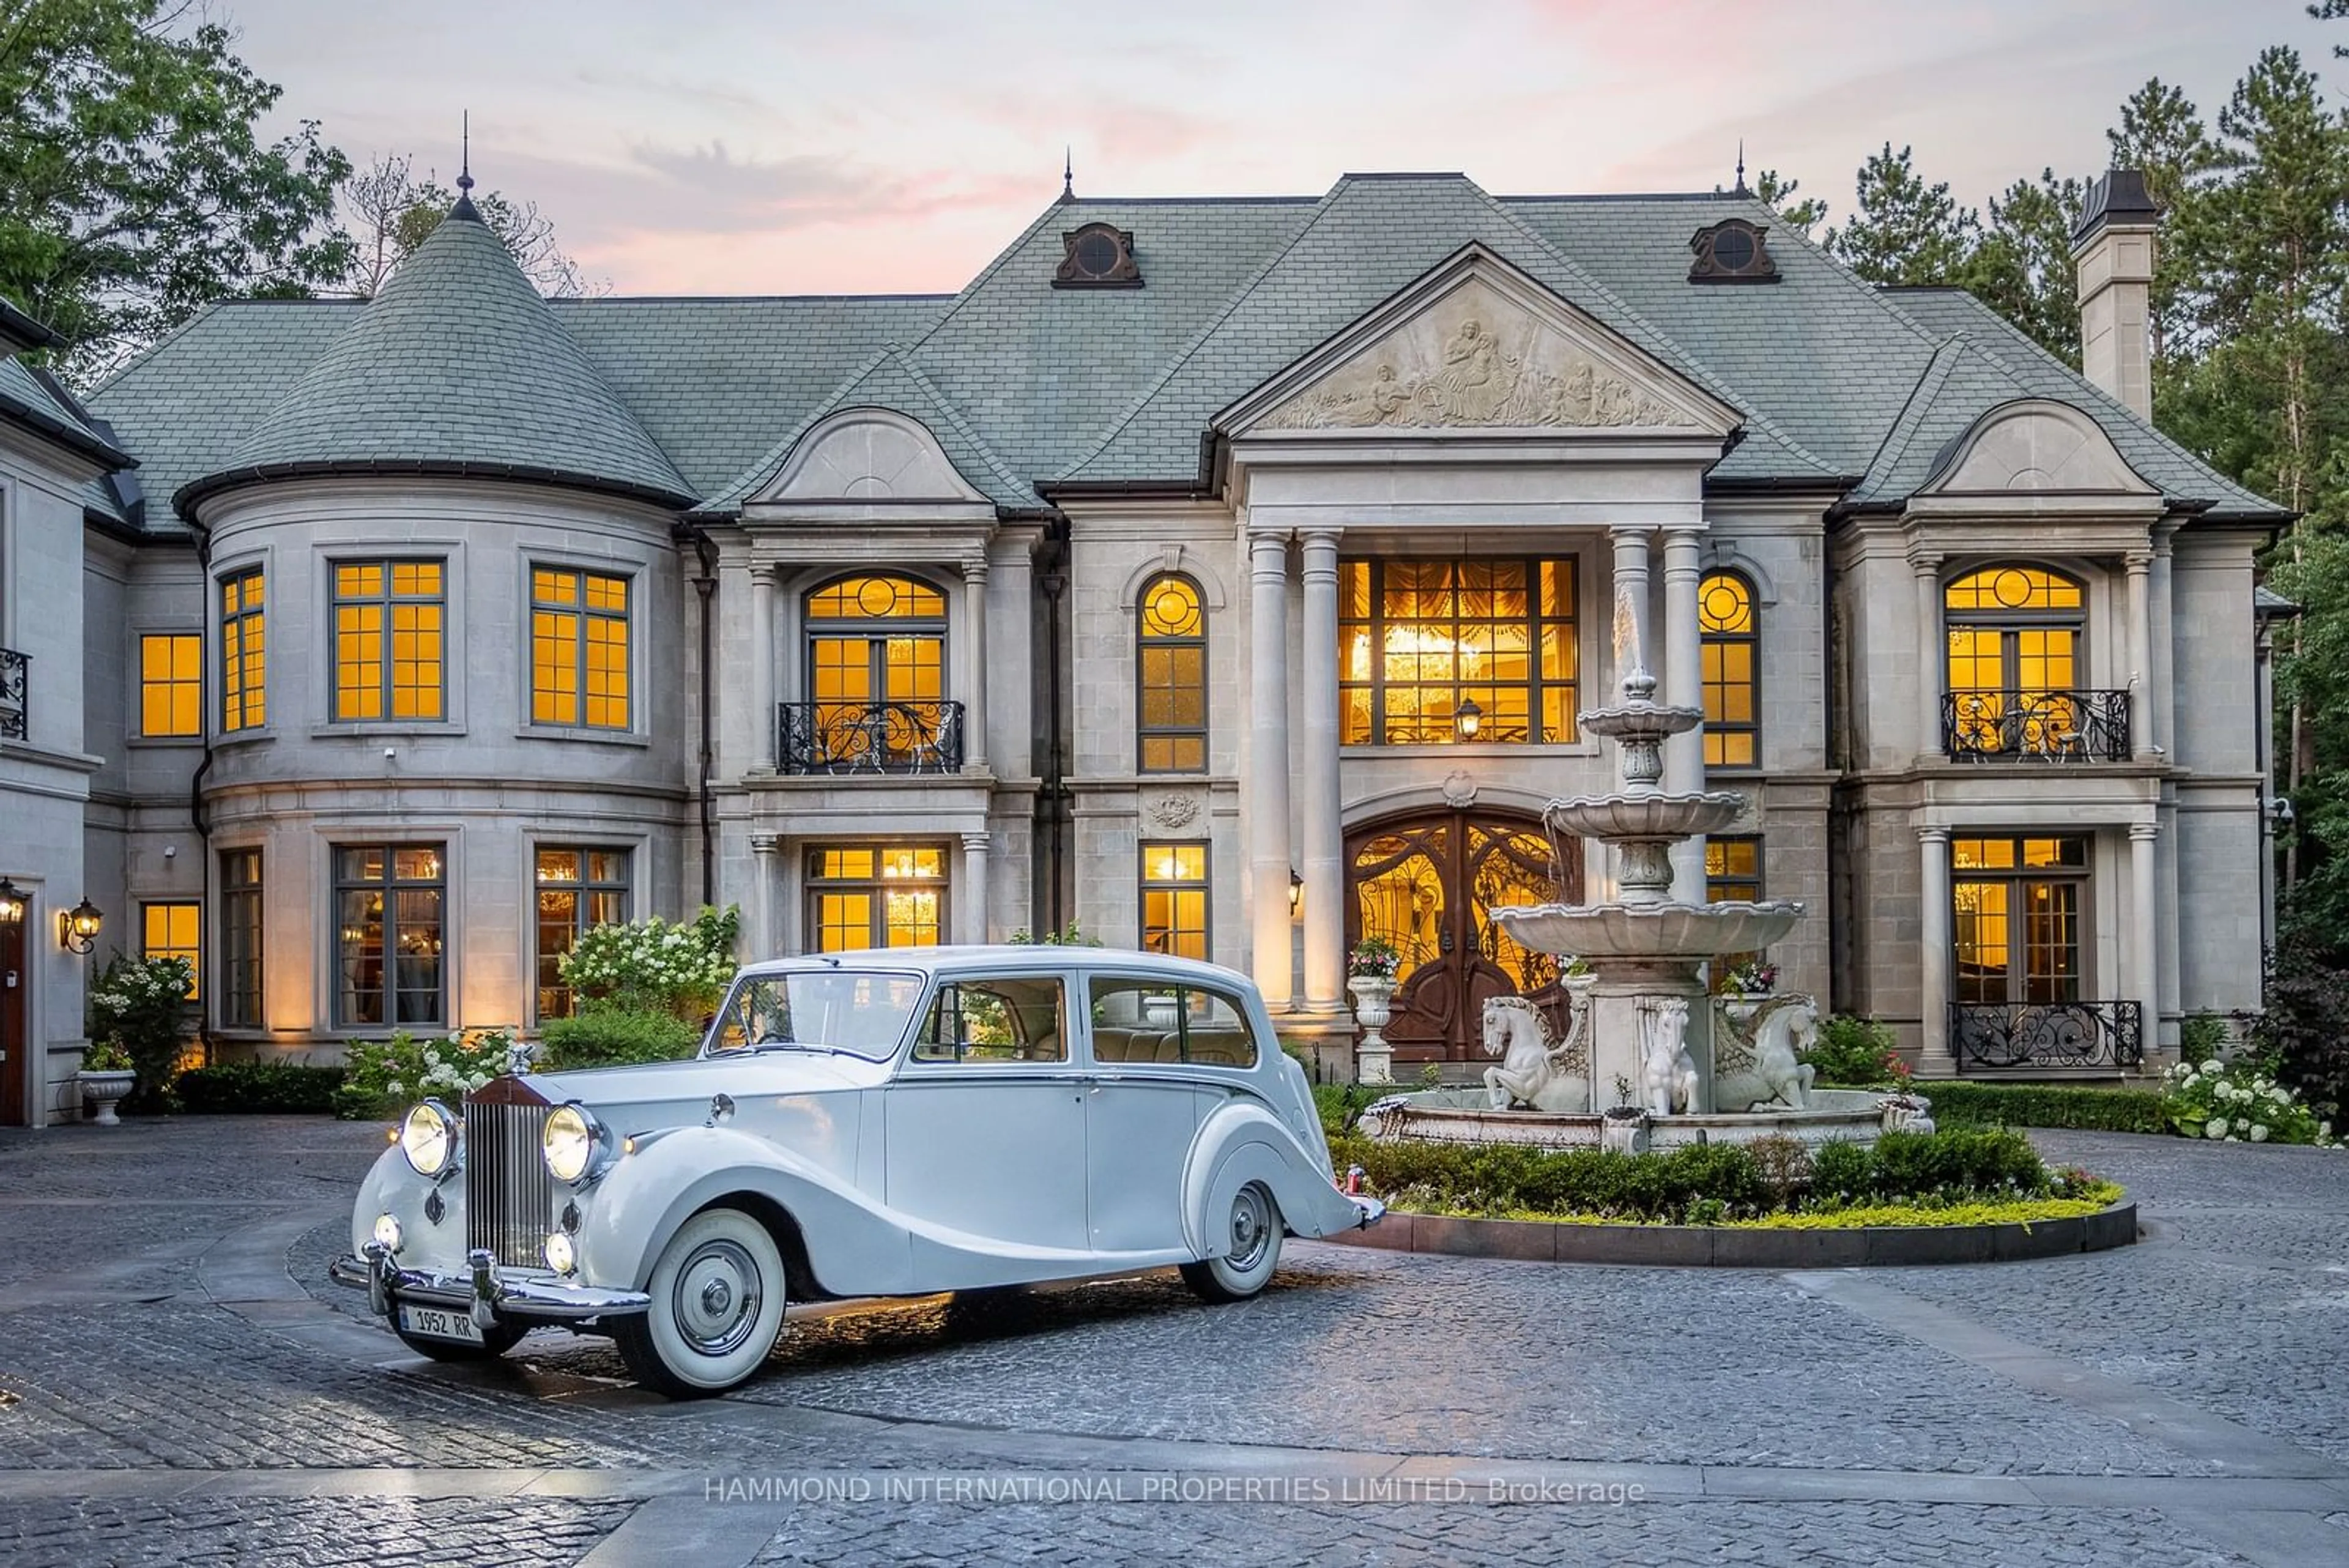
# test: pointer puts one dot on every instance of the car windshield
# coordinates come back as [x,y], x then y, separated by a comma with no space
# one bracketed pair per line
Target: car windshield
[860,1011]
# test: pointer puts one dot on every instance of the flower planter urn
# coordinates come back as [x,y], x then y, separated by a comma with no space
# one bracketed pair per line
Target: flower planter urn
[1373,1061]
[1742,1006]
[1624,1130]
[104,1090]
[1908,1112]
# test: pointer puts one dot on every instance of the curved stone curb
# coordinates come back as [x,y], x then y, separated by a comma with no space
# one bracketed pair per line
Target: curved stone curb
[1706,1246]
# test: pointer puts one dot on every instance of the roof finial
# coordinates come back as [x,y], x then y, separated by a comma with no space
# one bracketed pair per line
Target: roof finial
[1740,190]
[464,207]
[1068,175]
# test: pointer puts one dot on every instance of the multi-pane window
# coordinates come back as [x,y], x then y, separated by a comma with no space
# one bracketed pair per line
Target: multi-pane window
[1174,900]
[244,646]
[389,903]
[171,684]
[876,896]
[578,648]
[877,676]
[174,930]
[2018,906]
[2014,635]
[1432,653]
[388,622]
[239,996]
[1732,875]
[1171,702]
[577,889]
[1730,653]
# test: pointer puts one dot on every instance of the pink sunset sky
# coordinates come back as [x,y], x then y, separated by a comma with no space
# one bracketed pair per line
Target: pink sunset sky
[702,146]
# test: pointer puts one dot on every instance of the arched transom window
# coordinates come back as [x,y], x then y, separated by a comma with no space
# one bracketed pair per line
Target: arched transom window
[2014,641]
[1171,696]
[876,681]
[1732,648]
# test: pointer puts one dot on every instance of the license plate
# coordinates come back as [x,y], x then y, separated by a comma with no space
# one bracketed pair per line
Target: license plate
[438,1323]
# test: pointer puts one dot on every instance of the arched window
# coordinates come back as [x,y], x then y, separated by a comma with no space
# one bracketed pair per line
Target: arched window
[876,681]
[2014,635]
[1733,710]
[1171,695]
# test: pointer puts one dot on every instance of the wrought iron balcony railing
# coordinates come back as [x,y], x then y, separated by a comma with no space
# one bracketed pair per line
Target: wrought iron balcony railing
[2046,1037]
[13,666]
[869,737]
[2078,726]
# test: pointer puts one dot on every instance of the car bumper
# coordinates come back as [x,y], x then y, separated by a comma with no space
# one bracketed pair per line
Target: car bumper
[1371,1209]
[490,1299]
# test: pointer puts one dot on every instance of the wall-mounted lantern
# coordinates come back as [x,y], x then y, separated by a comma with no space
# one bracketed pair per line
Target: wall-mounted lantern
[13,900]
[78,928]
[1468,716]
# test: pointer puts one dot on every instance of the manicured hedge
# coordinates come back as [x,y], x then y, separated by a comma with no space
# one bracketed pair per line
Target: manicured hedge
[612,1036]
[260,1088]
[1712,1181]
[2044,1106]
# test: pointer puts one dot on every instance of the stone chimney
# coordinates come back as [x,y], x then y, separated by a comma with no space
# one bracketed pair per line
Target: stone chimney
[2112,248]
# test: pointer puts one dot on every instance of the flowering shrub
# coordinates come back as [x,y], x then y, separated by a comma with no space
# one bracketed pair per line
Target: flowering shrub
[1068,936]
[141,1005]
[380,1076]
[1373,958]
[653,966]
[105,1056]
[1756,976]
[2237,1104]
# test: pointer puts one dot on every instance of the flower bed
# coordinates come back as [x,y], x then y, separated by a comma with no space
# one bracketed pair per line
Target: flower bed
[2237,1103]
[1724,1184]
[381,1077]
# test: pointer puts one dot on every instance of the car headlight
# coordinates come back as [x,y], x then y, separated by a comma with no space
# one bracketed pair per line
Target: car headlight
[429,1138]
[572,1142]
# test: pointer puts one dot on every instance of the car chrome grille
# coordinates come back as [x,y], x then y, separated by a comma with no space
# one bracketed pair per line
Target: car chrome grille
[509,1194]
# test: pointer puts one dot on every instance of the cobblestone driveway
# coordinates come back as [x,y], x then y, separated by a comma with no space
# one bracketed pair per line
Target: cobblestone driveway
[177,1384]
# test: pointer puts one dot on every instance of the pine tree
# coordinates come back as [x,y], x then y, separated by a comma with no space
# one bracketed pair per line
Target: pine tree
[1905,231]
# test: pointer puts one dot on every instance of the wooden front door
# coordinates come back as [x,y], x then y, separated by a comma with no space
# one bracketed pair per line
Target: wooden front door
[1426,884]
[16,1053]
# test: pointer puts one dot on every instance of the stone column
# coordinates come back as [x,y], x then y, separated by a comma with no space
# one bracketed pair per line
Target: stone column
[971,919]
[1632,591]
[974,681]
[1322,809]
[765,940]
[2143,970]
[762,666]
[1933,949]
[2140,651]
[1684,642]
[1267,791]
[1932,655]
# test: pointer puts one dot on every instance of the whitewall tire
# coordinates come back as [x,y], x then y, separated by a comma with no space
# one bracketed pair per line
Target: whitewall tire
[1250,1231]
[717,1306]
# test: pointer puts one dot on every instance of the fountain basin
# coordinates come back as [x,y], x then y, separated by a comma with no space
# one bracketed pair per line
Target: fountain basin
[1640,721]
[1616,817]
[1465,1115]
[1649,930]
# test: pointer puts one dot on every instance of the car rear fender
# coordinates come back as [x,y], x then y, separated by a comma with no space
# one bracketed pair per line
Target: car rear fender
[854,1246]
[1241,1142]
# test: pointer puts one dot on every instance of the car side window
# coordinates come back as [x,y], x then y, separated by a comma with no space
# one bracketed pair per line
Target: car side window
[995,1021]
[1138,1021]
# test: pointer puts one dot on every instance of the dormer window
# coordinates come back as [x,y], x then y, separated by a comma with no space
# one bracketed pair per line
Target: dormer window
[1733,251]
[1097,256]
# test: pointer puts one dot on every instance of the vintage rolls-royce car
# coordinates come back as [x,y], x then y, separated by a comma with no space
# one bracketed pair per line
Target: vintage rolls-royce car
[887,1123]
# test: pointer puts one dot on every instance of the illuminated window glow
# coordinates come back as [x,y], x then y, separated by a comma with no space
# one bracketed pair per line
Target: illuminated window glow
[1171,698]
[578,648]
[388,622]
[244,671]
[171,684]
[877,896]
[174,930]
[1174,900]
[1417,640]
[1730,654]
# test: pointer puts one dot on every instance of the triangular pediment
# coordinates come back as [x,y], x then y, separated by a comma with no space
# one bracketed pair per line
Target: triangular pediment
[1478,344]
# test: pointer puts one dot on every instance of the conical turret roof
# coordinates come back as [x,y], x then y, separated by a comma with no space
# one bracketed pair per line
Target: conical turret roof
[457,367]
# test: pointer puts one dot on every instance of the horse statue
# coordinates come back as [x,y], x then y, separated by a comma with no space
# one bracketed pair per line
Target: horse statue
[1667,1071]
[1776,1080]
[1536,1070]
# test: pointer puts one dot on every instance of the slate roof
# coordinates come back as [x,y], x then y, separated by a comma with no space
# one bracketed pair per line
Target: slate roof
[34,400]
[1842,386]
[456,366]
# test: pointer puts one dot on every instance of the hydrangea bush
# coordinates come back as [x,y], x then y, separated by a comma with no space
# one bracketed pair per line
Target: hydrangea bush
[140,1004]
[2238,1103]
[654,966]
[381,1077]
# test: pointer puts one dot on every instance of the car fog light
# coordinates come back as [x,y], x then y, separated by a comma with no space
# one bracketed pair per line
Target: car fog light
[387,1232]
[559,1256]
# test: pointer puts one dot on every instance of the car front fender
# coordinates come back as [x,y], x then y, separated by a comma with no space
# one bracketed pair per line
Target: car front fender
[1241,1142]
[854,1246]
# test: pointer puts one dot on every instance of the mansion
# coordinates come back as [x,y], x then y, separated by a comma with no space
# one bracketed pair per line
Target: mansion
[1220,577]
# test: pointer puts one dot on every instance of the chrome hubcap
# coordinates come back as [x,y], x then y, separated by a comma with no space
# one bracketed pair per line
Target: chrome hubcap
[717,1298]
[1251,1230]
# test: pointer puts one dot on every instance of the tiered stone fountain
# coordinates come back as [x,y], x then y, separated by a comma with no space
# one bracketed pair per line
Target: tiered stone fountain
[1645,1044]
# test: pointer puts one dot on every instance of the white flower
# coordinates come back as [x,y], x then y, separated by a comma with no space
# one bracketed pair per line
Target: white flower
[2215,1128]
[2259,1132]
[2280,1095]
[395,1088]
[2233,1139]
